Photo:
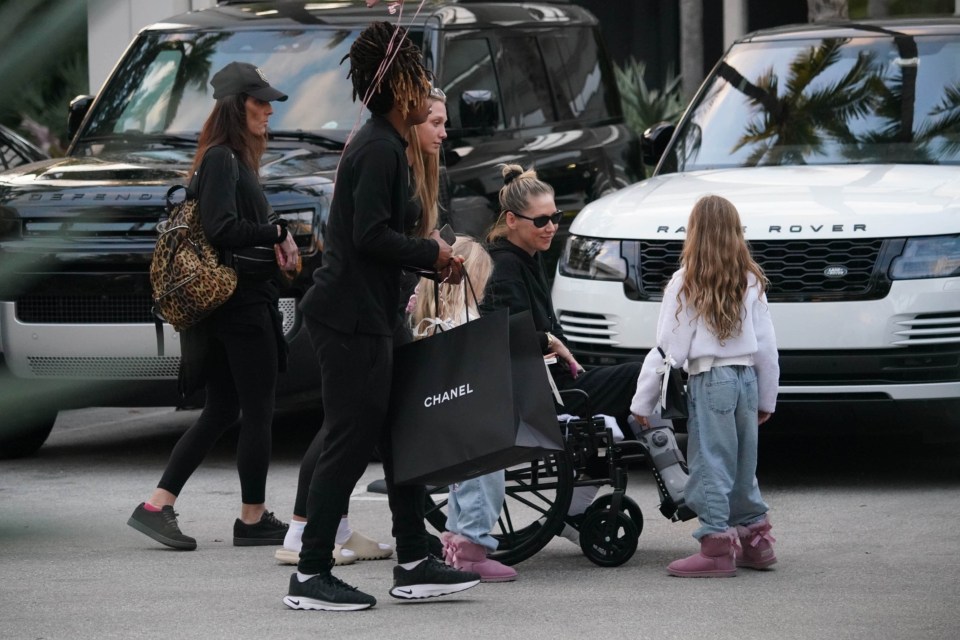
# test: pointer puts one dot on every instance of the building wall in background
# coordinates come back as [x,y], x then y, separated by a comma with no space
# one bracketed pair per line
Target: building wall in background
[112,24]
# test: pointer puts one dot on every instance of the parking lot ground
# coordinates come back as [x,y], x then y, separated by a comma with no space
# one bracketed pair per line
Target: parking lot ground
[867,538]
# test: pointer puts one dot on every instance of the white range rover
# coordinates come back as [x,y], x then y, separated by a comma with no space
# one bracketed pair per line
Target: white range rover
[840,147]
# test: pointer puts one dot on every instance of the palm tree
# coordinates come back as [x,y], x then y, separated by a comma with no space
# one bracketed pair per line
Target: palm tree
[797,124]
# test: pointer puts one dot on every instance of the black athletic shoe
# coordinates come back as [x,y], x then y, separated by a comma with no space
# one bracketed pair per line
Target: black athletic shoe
[326,592]
[434,545]
[430,578]
[161,526]
[268,531]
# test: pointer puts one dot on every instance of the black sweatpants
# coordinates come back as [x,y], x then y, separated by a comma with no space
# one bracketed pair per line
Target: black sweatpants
[241,380]
[356,372]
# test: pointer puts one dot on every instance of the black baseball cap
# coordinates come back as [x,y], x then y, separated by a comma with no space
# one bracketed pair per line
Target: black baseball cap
[243,77]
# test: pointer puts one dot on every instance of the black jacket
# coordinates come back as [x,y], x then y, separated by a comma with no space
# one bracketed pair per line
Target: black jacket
[236,215]
[357,289]
[518,283]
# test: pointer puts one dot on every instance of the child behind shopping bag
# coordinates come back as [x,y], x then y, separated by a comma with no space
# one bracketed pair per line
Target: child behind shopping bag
[473,505]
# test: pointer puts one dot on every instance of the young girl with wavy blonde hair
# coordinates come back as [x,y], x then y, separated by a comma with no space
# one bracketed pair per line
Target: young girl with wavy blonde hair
[715,321]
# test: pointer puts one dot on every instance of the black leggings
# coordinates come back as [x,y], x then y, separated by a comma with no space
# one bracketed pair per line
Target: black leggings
[356,371]
[241,379]
[610,388]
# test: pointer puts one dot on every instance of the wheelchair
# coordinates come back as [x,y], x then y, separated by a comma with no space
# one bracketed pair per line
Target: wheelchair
[539,493]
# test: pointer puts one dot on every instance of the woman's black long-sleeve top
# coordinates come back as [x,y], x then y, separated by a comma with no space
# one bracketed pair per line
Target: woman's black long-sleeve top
[519,283]
[235,215]
[357,289]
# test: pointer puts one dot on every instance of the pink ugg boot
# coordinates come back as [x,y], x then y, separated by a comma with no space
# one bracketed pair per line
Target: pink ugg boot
[757,545]
[715,559]
[461,553]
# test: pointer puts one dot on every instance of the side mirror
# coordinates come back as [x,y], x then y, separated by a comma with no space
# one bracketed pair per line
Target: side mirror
[478,109]
[654,142]
[75,114]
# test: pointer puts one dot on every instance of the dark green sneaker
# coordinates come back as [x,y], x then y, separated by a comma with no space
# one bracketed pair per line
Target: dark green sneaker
[326,592]
[162,527]
[269,531]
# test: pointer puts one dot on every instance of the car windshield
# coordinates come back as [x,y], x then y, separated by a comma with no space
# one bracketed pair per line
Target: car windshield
[886,98]
[162,93]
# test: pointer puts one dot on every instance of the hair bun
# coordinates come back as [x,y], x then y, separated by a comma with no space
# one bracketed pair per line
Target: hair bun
[510,175]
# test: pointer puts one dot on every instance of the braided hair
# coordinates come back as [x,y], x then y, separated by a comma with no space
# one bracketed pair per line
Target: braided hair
[404,82]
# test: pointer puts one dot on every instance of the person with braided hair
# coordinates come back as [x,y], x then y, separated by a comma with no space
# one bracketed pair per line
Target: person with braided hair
[350,313]
[423,155]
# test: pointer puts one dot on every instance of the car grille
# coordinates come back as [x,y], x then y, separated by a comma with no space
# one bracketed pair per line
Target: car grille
[798,270]
[85,309]
[130,368]
[108,310]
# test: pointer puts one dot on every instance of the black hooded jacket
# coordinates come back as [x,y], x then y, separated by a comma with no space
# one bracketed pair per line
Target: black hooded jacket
[519,283]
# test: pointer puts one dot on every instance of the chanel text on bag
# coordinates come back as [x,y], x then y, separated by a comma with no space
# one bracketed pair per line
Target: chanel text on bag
[456,392]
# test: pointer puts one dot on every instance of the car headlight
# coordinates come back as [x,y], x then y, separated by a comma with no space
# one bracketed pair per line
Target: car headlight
[933,257]
[593,258]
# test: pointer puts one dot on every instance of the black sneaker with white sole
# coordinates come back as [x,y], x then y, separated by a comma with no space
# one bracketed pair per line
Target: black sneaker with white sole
[268,531]
[429,579]
[326,592]
[161,526]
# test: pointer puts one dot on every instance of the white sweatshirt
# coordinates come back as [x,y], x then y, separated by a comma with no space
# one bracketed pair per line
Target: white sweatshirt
[689,340]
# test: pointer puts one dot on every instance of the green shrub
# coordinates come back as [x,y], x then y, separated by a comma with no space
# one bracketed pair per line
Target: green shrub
[44,66]
[643,106]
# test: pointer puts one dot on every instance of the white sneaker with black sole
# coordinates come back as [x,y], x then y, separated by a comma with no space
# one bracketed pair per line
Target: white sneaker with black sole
[326,592]
[429,579]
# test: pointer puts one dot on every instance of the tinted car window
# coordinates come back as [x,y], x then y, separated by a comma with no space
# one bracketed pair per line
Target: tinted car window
[832,101]
[525,85]
[164,87]
[15,150]
[574,61]
[468,66]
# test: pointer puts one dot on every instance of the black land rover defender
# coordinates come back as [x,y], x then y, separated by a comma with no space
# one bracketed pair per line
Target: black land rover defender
[528,83]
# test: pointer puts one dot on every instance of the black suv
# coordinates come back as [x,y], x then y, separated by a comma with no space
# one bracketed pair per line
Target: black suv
[527,83]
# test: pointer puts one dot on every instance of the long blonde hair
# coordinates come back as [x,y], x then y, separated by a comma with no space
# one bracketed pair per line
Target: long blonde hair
[426,177]
[716,260]
[519,187]
[478,265]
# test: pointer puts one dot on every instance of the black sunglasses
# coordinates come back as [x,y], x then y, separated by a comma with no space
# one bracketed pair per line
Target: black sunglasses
[541,221]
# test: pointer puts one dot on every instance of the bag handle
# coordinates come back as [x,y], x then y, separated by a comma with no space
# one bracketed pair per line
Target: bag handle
[468,290]
[665,369]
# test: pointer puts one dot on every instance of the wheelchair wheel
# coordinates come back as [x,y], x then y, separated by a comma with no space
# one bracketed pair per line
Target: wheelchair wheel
[537,499]
[627,506]
[608,539]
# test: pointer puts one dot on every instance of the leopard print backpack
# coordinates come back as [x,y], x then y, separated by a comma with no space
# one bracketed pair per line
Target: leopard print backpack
[187,278]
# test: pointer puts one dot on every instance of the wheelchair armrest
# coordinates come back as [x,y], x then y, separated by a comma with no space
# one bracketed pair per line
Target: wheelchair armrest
[577,397]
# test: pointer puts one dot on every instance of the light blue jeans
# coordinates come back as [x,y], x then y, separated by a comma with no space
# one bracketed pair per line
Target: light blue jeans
[722,449]
[473,508]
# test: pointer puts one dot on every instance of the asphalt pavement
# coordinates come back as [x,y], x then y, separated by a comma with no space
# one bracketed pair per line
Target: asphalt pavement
[867,540]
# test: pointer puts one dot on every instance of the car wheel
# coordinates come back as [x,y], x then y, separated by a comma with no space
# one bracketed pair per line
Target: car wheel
[26,435]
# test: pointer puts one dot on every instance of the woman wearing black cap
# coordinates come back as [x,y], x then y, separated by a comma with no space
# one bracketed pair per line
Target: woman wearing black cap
[237,351]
